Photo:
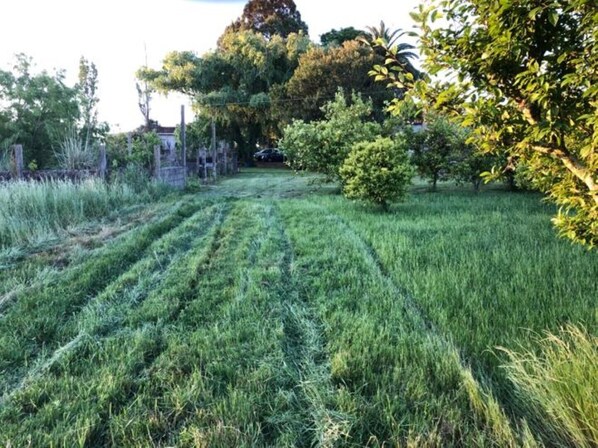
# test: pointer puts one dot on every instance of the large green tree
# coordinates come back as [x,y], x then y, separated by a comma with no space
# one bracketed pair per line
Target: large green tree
[322,146]
[321,71]
[338,37]
[36,110]
[523,74]
[269,18]
[233,83]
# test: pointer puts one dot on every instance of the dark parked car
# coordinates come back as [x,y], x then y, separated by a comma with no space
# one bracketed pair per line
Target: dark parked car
[269,155]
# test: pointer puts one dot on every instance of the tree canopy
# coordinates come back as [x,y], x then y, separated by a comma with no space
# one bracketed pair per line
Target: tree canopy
[524,76]
[269,18]
[233,82]
[338,37]
[36,110]
[322,70]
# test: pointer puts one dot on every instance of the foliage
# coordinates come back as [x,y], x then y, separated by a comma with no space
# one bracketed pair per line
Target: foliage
[523,75]
[36,110]
[320,73]
[558,385]
[468,164]
[433,148]
[232,84]
[140,154]
[377,171]
[322,146]
[144,101]
[269,18]
[198,133]
[87,88]
[337,38]
[74,153]
[143,149]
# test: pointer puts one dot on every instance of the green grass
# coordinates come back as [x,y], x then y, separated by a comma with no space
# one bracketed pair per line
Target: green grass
[32,212]
[268,311]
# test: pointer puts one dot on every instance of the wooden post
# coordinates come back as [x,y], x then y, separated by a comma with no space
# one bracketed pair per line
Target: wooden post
[197,160]
[225,158]
[157,164]
[103,165]
[204,156]
[17,154]
[184,140]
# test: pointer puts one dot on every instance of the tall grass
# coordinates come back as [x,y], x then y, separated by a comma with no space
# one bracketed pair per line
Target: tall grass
[32,212]
[73,153]
[559,385]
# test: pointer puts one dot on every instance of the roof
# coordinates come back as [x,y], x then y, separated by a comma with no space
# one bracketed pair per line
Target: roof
[164,129]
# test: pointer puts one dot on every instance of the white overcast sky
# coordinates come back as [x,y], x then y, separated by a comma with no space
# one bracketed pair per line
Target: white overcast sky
[114,33]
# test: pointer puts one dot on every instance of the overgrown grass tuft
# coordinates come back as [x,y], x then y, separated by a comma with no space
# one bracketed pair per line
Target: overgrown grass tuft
[559,385]
[31,212]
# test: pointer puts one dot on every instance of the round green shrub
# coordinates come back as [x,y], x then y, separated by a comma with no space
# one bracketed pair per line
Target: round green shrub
[377,172]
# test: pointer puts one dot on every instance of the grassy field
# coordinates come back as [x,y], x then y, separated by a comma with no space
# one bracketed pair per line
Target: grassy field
[269,311]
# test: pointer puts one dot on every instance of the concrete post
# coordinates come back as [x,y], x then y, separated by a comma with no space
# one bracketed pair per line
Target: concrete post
[157,161]
[103,163]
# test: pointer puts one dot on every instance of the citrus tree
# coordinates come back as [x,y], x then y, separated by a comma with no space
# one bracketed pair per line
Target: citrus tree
[523,74]
[377,172]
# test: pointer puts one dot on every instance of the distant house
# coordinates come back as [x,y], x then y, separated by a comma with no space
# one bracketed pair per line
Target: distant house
[167,138]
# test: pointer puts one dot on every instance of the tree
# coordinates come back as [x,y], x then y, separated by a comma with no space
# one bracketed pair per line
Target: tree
[144,99]
[432,149]
[269,18]
[87,86]
[337,38]
[467,163]
[321,71]
[526,75]
[377,171]
[322,146]
[382,34]
[36,110]
[233,84]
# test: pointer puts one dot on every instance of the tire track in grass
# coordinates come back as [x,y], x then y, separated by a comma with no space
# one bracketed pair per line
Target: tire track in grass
[482,401]
[314,422]
[104,314]
[257,393]
[43,321]
[191,367]
[399,383]
[131,375]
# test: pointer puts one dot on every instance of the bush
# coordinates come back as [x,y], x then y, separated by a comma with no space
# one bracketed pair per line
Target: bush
[74,154]
[377,172]
[322,146]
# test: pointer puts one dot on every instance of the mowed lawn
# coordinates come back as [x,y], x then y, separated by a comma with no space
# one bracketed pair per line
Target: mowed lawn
[269,311]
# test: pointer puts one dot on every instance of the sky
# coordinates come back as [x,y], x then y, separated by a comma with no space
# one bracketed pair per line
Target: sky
[117,35]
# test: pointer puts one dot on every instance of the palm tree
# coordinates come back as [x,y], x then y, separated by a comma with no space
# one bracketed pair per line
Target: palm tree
[388,36]
[383,41]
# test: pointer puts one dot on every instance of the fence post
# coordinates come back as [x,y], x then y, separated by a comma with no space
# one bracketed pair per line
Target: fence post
[197,161]
[157,160]
[17,155]
[225,158]
[214,163]
[184,140]
[103,166]
[204,161]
